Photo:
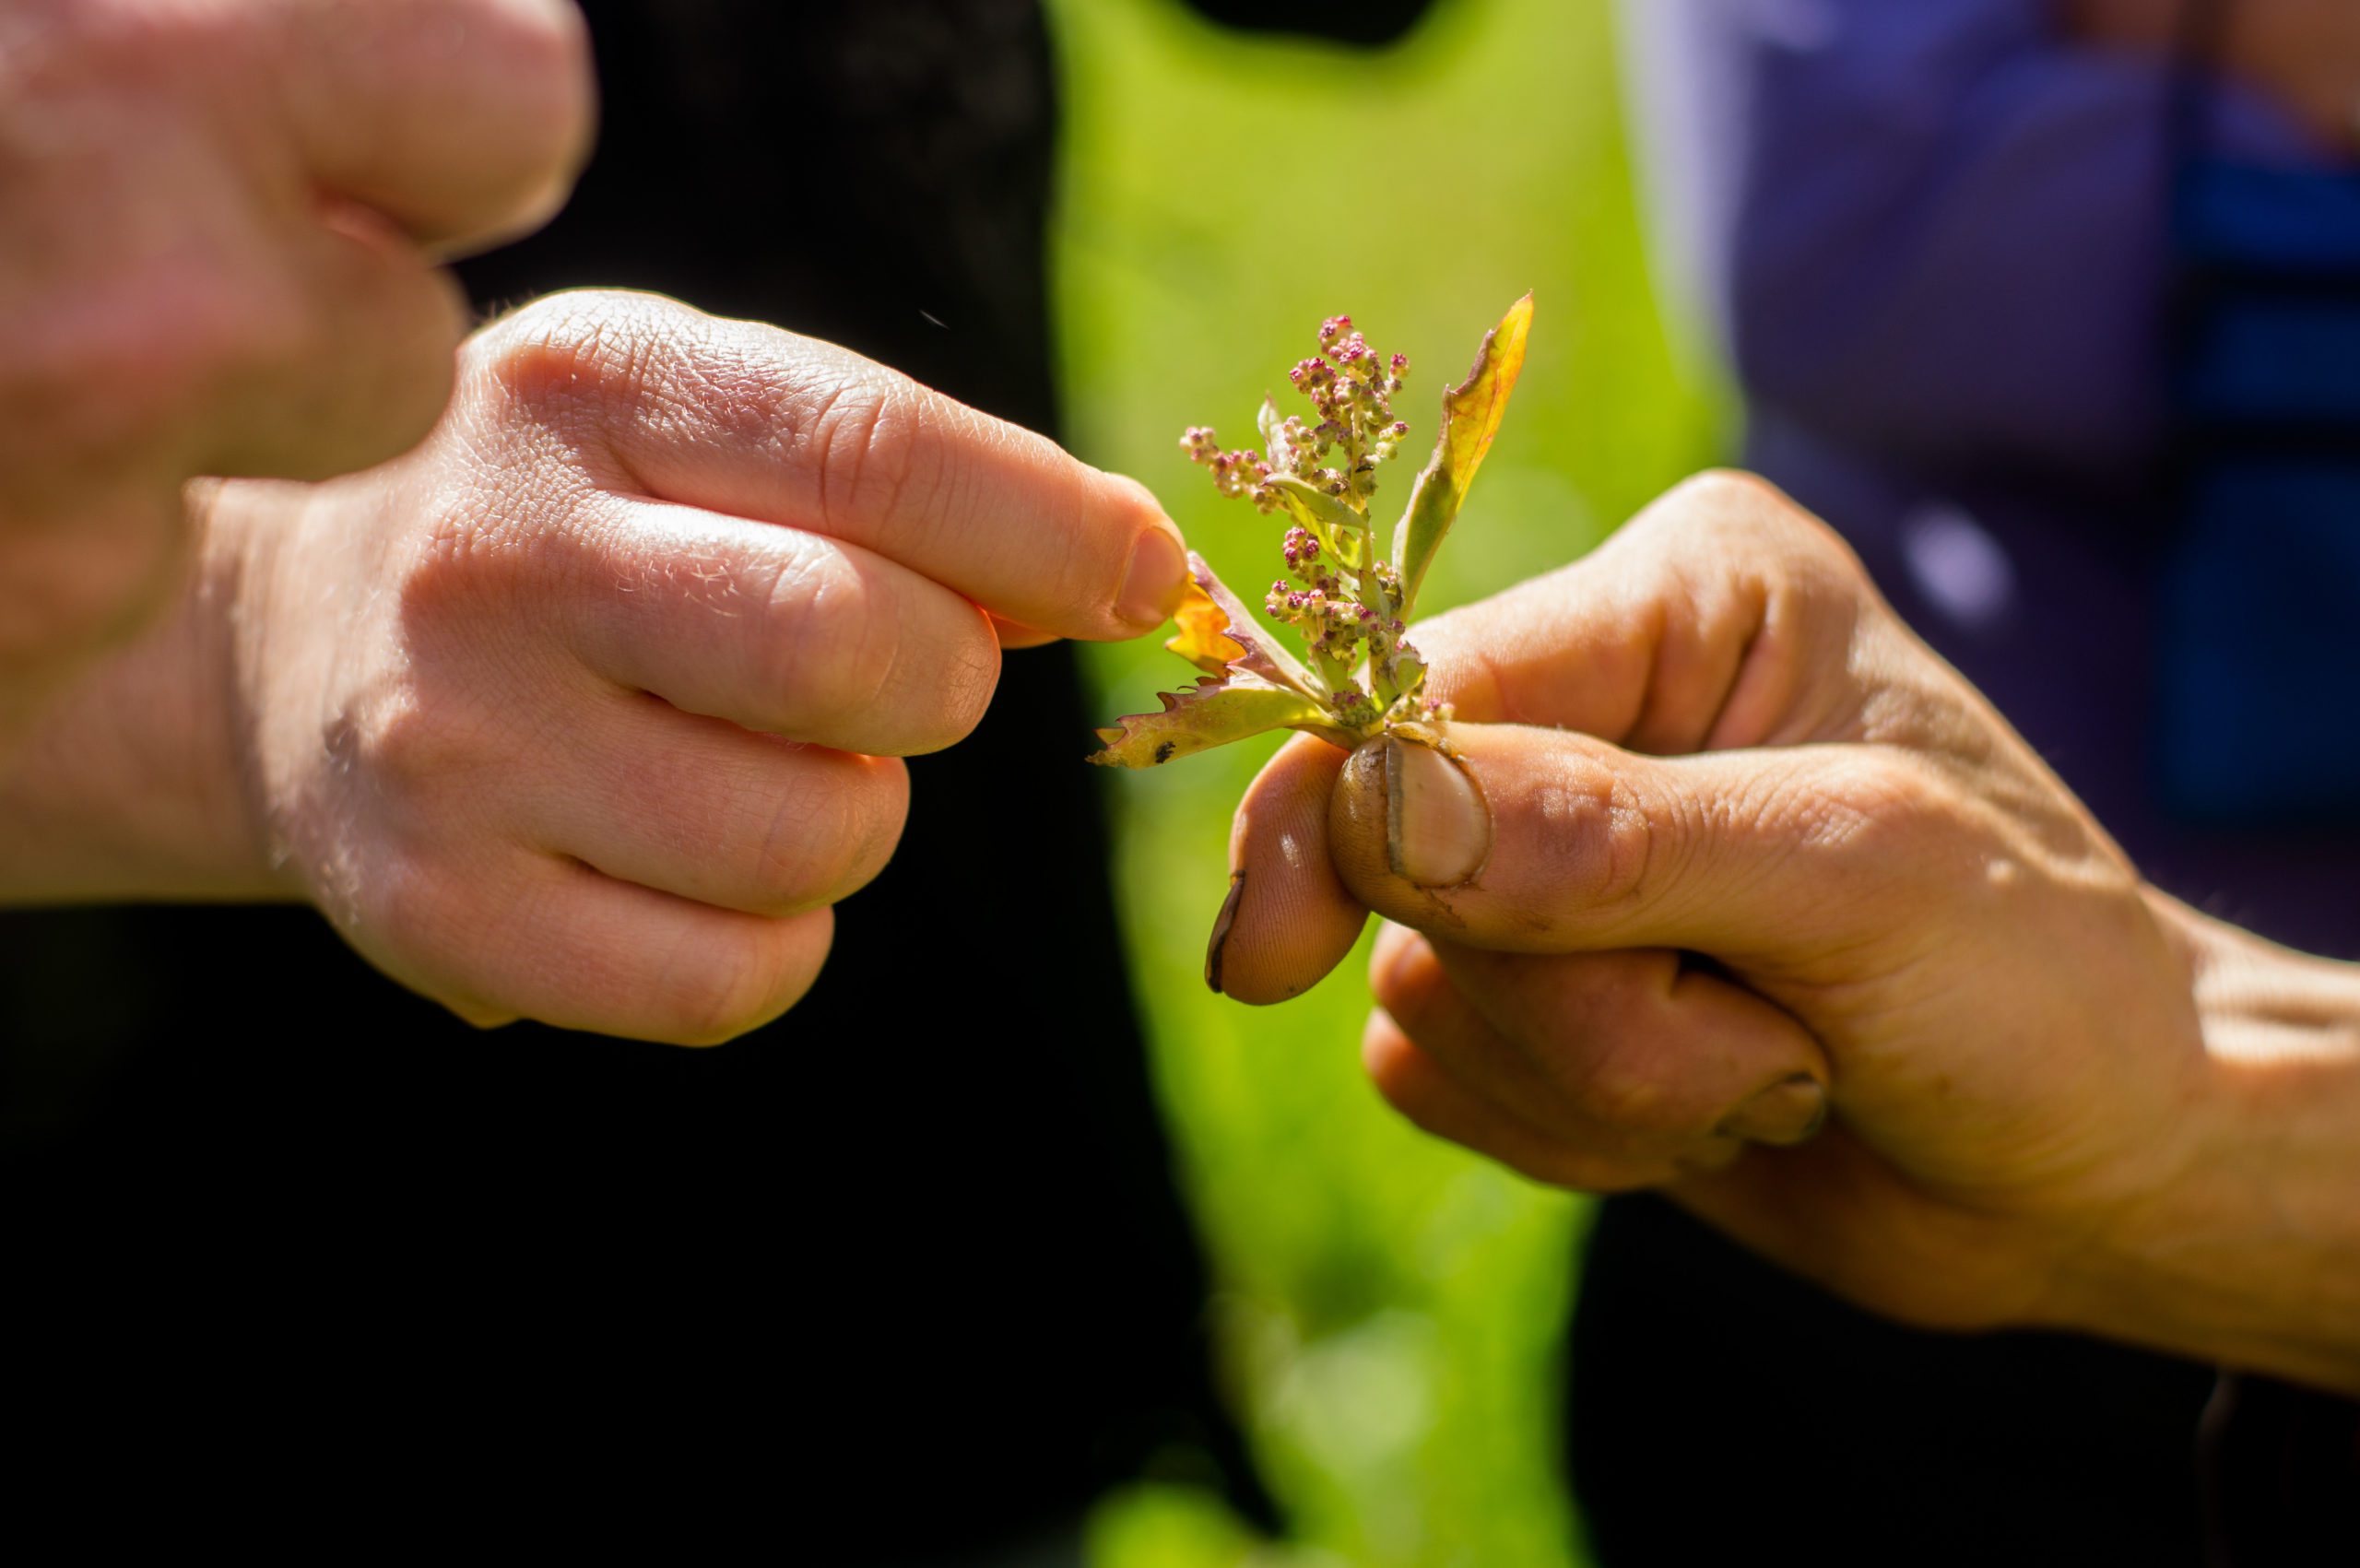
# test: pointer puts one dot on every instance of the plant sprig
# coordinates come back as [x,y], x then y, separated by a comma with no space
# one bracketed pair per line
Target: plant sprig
[1346,597]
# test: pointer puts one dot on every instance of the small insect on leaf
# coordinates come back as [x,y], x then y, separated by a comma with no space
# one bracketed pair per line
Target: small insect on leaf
[1213,712]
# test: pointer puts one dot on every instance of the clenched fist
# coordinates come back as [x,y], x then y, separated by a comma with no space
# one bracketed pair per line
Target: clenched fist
[222,219]
[589,707]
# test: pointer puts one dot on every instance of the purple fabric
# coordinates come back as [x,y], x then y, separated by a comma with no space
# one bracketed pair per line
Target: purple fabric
[1935,234]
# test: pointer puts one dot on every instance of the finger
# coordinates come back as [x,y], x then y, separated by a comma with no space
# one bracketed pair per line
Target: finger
[581,951]
[1648,1044]
[1536,840]
[776,628]
[465,121]
[1435,1101]
[1722,616]
[708,811]
[1287,919]
[370,366]
[739,417]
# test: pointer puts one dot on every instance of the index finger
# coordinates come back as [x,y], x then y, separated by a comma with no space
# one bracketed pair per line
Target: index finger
[740,418]
[1722,616]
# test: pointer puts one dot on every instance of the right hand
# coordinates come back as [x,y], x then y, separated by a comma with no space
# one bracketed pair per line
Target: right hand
[1729,886]
[590,708]
[222,221]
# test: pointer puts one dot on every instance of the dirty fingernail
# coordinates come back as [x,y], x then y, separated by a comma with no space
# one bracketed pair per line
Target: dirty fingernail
[1221,924]
[1159,570]
[1786,1113]
[1437,830]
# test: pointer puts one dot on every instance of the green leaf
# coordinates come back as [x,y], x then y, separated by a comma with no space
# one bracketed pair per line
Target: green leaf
[1338,527]
[1471,418]
[1214,712]
[1261,654]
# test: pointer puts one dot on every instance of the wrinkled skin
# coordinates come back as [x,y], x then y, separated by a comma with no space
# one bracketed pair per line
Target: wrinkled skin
[1777,913]
[590,708]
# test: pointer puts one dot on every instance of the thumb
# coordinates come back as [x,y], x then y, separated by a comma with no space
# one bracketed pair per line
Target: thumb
[1527,840]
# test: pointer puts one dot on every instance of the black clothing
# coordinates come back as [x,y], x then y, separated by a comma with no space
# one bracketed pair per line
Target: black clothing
[906,1269]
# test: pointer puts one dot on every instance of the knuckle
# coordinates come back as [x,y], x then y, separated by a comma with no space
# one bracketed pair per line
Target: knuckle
[825,839]
[961,685]
[865,437]
[567,353]
[1603,840]
[726,989]
[836,664]
[1621,1081]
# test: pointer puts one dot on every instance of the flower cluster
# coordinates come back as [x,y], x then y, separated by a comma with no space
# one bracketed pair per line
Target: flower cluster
[1349,603]
[1350,388]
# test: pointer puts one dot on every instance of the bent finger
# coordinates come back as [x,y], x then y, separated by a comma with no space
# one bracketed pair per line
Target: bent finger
[1651,1044]
[1435,1101]
[578,949]
[1721,615]
[740,418]
[1289,919]
[702,809]
[776,628]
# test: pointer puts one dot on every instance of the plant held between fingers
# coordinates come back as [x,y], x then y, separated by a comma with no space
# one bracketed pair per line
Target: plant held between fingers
[1349,600]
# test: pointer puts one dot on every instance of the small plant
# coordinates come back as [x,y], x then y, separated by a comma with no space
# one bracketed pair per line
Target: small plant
[1347,601]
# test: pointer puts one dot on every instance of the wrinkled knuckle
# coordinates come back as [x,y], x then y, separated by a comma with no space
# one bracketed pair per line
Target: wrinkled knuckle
[1606,843]
[866,438]
[963,683]
[570,353]
[1869,818]
[811,847]
[838,661]
[735,989]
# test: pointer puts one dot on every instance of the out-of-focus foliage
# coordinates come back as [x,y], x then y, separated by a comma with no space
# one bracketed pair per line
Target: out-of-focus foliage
[1390,1309]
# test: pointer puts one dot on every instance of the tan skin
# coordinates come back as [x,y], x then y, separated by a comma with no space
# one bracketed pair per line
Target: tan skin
[1757,857]
[224,219]
[590,708]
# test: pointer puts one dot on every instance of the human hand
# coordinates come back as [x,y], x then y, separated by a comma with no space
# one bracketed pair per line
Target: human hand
[2304,54]
[222,221]
[1728,853]
[587,710]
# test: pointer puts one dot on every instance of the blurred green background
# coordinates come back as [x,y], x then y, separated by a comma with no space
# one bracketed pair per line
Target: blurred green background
[1389,1309]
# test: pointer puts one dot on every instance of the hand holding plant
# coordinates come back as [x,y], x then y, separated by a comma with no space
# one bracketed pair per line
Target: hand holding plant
[1346,596]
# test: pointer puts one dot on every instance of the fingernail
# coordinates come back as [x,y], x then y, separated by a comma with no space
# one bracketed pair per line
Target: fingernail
[1786,1113]
[1222,923]
[1159,570]
[1437,830]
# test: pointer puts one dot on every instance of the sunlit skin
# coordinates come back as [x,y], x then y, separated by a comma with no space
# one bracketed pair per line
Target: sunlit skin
[1730,887]
[223,221]
[589,709]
